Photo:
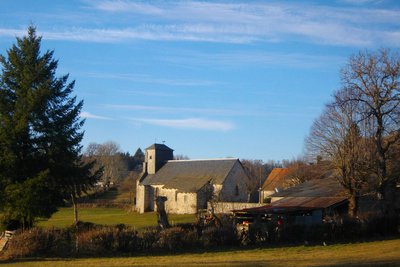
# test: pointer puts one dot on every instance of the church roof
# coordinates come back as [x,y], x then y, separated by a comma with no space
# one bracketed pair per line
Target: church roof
[159,147]
[191,175]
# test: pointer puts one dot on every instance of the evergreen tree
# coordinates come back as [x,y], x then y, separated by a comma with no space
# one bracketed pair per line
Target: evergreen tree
[40,134]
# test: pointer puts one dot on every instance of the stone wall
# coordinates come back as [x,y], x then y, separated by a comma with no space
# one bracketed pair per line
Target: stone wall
[227,207]
[234,188]
[140,198]
[178,202]
[266,194]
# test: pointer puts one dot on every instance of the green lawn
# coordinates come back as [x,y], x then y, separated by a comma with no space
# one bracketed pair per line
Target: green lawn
[379,253]
[108,216]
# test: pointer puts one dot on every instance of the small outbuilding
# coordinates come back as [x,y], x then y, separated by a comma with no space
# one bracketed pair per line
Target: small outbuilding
[275,182]
[307,203]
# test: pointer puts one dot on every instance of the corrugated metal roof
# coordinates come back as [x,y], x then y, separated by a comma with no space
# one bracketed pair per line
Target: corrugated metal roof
[191,175]
[308,202]
[310,195]
[327,187]
[297,204]
[275,179]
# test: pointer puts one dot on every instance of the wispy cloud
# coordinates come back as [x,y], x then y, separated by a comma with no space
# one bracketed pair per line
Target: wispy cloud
[234,23]
[361,2]
[255,22]
[240,58]
[12,32]
[179,110]
[149,79]
[123,6]
[191,123]
[87,115]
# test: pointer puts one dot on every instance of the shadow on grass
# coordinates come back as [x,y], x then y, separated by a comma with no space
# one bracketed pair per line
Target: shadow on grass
[224,249]
[232,262]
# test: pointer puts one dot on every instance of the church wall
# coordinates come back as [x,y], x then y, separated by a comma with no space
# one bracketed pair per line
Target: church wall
[178,202]
[144,194]
[139,197]
[234,188]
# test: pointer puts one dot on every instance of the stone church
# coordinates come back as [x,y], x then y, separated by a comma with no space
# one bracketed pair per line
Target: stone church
[188,184]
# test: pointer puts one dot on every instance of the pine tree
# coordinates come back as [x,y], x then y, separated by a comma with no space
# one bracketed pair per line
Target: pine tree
[40,134]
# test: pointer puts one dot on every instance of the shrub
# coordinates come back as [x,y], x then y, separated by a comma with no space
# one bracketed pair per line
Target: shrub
[171,238]
[383,225]
[224,235]
[40,242]
[107,240]
[149,238]
[94,240]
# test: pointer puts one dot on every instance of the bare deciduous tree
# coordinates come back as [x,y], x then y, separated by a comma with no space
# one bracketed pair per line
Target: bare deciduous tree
[181,157]
[336,137]
[300,171]
[374,80]
[108,156]
[256,172]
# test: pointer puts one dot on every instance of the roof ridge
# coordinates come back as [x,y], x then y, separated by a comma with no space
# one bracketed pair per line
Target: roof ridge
[185,160]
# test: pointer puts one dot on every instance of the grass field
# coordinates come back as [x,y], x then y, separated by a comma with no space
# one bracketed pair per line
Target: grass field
[378,253]
[109,216]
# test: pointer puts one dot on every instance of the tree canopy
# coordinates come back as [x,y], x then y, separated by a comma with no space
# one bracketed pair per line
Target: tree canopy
[40,134]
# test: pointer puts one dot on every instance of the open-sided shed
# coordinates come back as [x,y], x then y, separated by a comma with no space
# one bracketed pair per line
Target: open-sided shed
[307,203]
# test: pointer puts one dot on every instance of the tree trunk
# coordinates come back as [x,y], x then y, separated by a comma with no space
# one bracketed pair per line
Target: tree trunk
[353,205]
[388,191]
[74,204]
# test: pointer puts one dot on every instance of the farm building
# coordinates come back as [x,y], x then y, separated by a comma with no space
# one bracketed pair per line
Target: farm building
[275,182]
[306,203]
[188,184]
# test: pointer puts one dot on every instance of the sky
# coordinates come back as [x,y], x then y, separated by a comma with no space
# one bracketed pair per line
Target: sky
[211,79]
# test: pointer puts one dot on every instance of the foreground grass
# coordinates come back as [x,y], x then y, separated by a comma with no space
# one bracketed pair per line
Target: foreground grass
[378,253]
[109,216]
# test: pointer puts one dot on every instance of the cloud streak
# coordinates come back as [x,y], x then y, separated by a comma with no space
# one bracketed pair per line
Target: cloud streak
[179,110]
[149,79]
[261,22]
[190,123]
[231,59]
[87,115]
[240,23]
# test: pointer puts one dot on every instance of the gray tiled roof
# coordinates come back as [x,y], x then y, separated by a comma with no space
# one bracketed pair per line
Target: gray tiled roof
[159,147]
[190,175]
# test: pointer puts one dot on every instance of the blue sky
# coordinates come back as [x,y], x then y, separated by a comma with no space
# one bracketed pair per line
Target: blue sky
[212,79]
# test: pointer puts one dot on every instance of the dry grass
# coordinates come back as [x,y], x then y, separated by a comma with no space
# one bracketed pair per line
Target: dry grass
[378,253]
